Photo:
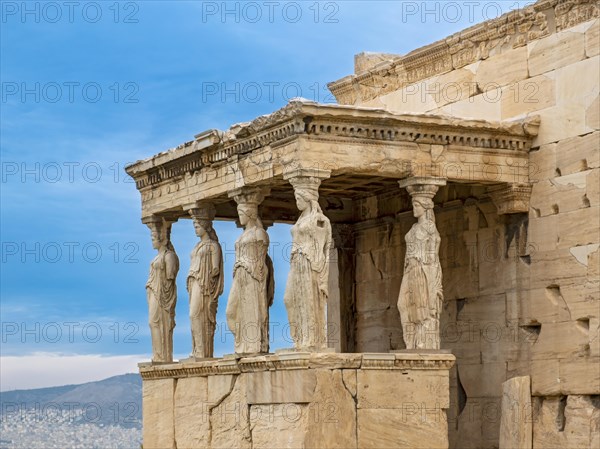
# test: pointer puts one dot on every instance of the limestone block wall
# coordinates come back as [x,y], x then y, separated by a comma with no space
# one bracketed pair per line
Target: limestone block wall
[299,400]
[523,291]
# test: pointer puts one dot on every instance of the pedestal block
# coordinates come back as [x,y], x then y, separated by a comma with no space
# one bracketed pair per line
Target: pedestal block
[299,400]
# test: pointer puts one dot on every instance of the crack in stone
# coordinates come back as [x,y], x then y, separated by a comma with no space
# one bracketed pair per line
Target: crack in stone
[210,409]
[355,399]
[375,265]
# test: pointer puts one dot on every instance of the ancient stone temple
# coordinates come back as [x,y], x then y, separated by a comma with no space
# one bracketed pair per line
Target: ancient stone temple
[443,286]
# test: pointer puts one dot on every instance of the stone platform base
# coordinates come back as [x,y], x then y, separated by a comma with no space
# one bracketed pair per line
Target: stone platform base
[299,400]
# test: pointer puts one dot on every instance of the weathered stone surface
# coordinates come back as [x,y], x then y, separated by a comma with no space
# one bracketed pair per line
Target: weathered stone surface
[530,95]
[578,154]
[483,380]
[572,233]
[349,378]
[515,427]
[158,413]
[410,427]
[333,420]
[581,298]
[561,194]
[555,267]
[412,98]
[192,424]
[545,377]
[542,163]
[580,376]
[453,86]
[280,387]
[230,419]
[279,426]
[592,115]
[562,122]
[568,421]
[219,387]
[557,50]
[503,69]
[372,325]
[486,105]
[543,233]
[592,39]
[365,60]
[334,360]
[427,387]
[585,89]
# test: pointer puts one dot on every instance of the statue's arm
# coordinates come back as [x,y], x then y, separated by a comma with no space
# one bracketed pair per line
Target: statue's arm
[215,259]
[172,265]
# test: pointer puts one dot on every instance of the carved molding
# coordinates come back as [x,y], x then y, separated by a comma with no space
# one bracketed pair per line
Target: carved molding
[512,30]
[300,360]
[178,168]
[511,198]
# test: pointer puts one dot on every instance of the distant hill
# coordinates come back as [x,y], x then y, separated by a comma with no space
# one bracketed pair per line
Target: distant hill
[113,401]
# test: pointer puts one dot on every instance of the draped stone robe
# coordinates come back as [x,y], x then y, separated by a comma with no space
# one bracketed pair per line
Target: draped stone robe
[161,290]
[421,294]
[307,286]
[205,285]
[248,304]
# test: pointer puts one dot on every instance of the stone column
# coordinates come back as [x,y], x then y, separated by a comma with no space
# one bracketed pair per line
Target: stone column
[307,290]
[251,292]
[161,290]
[421,296]
[341,303]
[205,280]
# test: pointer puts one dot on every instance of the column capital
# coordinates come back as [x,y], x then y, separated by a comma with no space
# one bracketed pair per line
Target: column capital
[422,180]
[426,186]
[154,220]
[249,194]
[511,198]
[203,205]
[202,211]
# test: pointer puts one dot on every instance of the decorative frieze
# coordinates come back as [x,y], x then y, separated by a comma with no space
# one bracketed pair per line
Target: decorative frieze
[225,159]
[299,361]
[511,30]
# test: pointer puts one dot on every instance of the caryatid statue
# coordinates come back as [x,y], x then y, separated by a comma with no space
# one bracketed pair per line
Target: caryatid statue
[161,291]
[306,291]
[421,296]
[204,282]
[250,295]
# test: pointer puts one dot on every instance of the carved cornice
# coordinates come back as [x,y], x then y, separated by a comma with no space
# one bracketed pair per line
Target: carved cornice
[293,361]
[336,123]
[511,198]
[512,30]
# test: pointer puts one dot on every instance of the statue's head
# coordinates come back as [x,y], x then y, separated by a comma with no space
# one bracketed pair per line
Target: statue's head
[306,192]
[306,198]
[161,233]
[202,227]
[203,216]
[423,206]
[247,204]
[247,212]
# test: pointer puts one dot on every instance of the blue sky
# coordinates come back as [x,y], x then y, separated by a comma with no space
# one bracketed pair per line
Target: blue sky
[88,87]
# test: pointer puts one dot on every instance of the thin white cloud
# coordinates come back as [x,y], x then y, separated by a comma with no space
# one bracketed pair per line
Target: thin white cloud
[42,370]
